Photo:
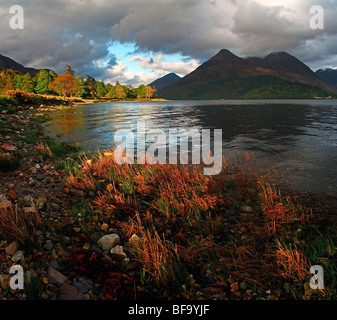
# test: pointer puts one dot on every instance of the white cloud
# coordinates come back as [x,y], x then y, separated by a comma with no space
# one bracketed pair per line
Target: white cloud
[157,63]
[121,73]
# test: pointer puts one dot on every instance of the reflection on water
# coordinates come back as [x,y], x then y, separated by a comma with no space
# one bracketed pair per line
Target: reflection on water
[296,137]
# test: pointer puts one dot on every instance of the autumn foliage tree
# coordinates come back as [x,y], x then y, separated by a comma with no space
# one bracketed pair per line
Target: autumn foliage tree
[150,92]
[65,84]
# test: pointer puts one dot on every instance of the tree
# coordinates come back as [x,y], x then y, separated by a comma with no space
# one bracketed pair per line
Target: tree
[148,92]
[27,83]
[70,70]
[43,80]
[18,82]
[111,93]
[90,83]
[9,83]
[83,91]
[155,92]
[120,92]
[100,89]
[141,92]
[64,84]
[3,79]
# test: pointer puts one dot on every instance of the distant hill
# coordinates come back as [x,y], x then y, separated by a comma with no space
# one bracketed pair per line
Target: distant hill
[164,81]
[227,76]
[8,63]
[328,75]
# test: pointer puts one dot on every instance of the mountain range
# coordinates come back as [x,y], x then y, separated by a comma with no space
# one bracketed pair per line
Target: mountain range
[227,76]
[8,63]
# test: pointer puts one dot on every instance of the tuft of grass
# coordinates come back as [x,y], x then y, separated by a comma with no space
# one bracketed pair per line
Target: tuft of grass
[33,289]
[8,162]
[19,225]
[157,257]
[43,150]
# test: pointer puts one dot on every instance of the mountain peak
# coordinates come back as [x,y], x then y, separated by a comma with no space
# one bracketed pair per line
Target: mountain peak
[165,81]
[226,54]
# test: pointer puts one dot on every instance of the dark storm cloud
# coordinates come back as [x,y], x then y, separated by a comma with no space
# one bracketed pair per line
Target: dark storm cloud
[77,32]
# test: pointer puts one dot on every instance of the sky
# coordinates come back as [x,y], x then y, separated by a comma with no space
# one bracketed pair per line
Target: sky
[138,41]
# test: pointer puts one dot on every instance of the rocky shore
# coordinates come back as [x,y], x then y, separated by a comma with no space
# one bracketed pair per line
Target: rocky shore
[75,236]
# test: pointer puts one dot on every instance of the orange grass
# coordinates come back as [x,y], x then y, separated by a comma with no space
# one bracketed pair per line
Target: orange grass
[180,215]
[292,263]
[17,224]
[157,256]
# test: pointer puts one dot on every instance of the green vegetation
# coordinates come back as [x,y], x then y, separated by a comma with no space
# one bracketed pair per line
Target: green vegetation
[260,87]
[68,85]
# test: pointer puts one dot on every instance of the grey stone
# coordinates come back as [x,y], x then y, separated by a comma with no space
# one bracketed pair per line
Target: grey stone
[108,241]
[39,177]
[56,278]
[81,286]
[117,253]
[69,292]
[48,246]
[18,257]
[54,264]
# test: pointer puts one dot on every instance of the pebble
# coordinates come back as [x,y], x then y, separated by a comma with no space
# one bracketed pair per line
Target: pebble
[33,170]
[81,286]
[39,177]
[18,257]
[117,253]
[247,209]
[56,278]
[4,281]
[48,246]
[104,227]
[54,264]
[12,248]
[77,193]
[89,283]
[108,241]
[134,238]
[235,287]
[69,292]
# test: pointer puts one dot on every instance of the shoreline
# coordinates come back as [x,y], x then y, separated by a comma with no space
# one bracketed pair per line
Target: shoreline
[79,206]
